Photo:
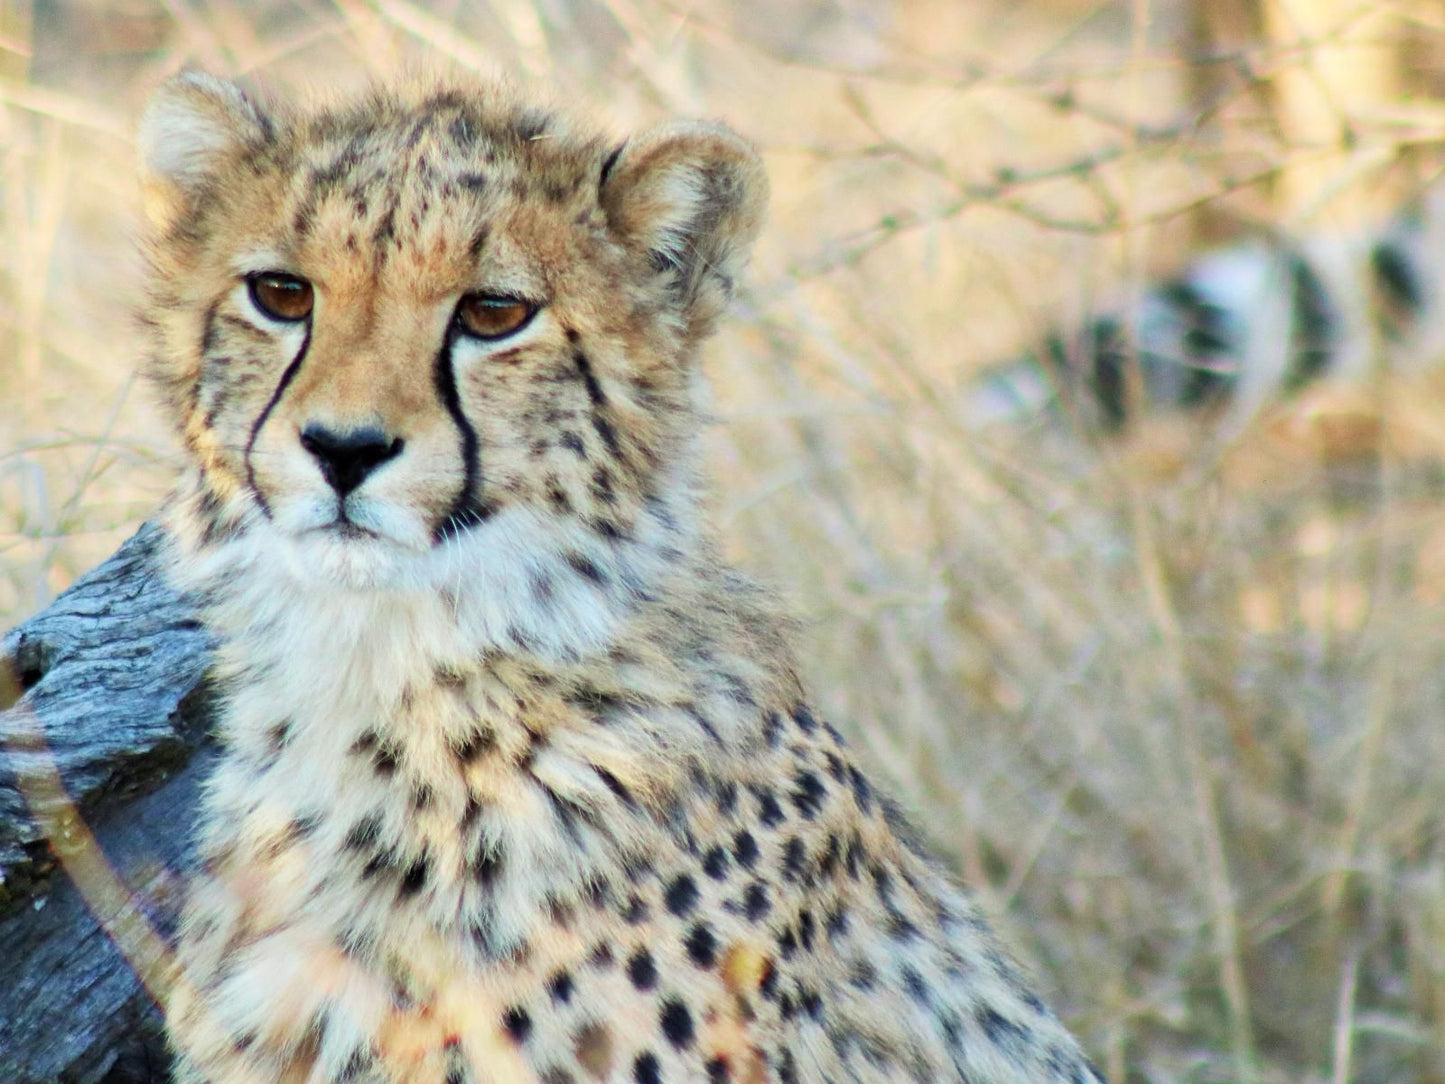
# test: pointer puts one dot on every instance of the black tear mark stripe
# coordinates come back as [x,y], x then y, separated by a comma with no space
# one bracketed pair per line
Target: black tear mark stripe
[286,378]
[468,509]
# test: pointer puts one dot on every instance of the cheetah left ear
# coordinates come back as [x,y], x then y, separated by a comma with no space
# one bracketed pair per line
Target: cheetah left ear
[193,126]
[690,197]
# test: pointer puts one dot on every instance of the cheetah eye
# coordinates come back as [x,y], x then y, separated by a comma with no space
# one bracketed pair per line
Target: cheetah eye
[485,317]
[281,296]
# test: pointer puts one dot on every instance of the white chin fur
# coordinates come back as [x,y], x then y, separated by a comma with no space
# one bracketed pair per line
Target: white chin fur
[511,583]
[355,563]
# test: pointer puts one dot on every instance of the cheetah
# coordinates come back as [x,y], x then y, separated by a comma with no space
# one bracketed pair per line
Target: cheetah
[518,780]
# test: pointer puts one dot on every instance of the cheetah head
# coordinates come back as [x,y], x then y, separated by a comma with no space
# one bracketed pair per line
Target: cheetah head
[433,331]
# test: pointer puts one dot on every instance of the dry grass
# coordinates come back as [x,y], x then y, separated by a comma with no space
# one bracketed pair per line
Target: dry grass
[1175,714]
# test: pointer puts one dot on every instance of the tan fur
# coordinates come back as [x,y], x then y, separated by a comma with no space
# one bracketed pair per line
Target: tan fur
[519,782]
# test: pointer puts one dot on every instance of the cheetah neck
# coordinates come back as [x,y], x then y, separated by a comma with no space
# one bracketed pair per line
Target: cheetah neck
[468,743]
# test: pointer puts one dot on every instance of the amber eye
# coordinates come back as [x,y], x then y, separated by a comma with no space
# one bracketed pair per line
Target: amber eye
[493,317]
[281,296]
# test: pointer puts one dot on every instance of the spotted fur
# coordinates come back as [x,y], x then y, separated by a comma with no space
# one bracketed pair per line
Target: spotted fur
[519,780]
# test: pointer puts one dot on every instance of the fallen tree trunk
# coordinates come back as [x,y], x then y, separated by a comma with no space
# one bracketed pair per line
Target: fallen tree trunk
[102,746]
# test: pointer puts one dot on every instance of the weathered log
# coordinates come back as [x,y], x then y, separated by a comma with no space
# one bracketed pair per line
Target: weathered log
[98,757]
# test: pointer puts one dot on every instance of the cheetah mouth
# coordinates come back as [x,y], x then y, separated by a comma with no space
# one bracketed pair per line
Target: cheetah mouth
[347,530]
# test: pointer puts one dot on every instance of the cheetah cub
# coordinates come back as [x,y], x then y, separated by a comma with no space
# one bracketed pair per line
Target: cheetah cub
[519,782]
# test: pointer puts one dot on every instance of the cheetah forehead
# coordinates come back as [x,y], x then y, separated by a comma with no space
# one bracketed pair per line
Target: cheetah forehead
[396,169]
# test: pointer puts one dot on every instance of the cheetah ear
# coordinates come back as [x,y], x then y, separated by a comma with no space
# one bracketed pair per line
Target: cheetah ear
[191,127]
[690,197]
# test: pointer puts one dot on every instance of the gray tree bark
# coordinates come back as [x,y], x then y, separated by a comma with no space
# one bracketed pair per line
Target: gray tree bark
[102,746]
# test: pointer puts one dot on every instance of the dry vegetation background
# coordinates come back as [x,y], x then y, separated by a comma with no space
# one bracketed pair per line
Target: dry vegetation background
[1173,703]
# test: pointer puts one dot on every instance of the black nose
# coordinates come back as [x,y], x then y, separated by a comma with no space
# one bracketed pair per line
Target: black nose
[347,458]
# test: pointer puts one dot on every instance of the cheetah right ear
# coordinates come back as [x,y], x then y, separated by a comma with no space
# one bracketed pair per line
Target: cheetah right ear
[191,127]
[689,197]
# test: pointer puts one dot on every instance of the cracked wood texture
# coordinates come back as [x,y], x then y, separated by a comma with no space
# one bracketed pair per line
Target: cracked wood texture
[102,747]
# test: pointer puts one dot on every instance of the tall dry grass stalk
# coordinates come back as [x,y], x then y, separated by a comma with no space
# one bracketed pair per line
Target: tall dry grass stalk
[1172,703]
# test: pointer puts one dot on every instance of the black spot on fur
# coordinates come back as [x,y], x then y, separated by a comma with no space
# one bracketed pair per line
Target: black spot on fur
[681,895]
[357,1062]
[769,811]
[364,834]
[832,852]
[768,986]
[715,863]
[854,856]
[901,928]
[487,862]
[862,792]
[808,793]
[518,1023]
[676,1023]
[385,228]
[705,725]
[787,943]
[701,945]
[415,877]
[384,861]
[727,797]
[383,760]
[811,1001]
[745,849]
[616,786]
[804,718]
[530,124]
[914,984]
[755,901]
[462,132]
[645,1069]
[795,859]
[1000,1030]
[474,745]
[641,970]
[586,568]
[560,987]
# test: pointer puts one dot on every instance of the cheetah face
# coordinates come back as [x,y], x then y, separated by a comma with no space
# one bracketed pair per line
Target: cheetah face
[435,322]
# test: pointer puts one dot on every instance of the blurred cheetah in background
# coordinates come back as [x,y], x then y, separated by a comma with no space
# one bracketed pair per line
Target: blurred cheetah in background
[519,780]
